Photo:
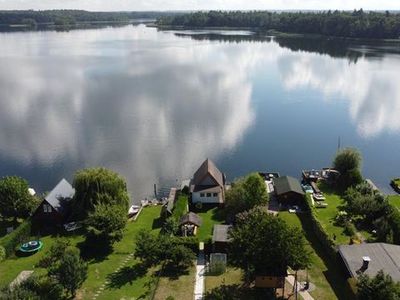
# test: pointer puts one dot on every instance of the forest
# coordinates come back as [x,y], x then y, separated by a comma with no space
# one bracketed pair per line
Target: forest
[355,24]
[62,17]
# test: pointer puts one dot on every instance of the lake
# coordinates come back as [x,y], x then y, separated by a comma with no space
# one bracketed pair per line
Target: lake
[153,105]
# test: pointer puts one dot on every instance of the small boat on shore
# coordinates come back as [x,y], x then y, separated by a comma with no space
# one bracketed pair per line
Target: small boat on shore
[318,197]
[133,210]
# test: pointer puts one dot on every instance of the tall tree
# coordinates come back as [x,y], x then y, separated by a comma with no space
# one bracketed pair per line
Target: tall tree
[70,272]
[107,223]
[380,287]
[246,193]
[348,163]
[15,200]
[98,186]
[264,244]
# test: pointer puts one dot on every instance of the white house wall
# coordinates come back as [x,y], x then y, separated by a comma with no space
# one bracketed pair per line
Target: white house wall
[196,198]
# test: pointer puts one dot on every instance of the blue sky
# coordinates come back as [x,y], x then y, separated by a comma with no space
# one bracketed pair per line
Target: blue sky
[118,5]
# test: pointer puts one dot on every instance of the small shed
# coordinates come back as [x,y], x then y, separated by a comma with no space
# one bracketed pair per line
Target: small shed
[288,190]
[220,238]
[189,224]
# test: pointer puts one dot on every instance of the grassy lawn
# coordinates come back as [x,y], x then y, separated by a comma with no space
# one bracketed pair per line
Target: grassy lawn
[395,201]
[230,277]
[179,288]
[327,215]
[11,267]
[131,281]
[209,217]
[181,207]
[323,272]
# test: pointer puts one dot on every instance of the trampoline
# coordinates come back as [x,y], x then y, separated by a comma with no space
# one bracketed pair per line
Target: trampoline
[31,246]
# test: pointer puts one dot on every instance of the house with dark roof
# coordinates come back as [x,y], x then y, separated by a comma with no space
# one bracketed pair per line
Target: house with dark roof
[221,238]
[55,207]
[189,224]
[370,258]
[288,190]
[208,184]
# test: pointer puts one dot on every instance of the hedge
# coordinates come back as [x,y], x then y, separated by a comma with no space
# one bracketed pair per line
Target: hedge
[189,242]
[19,235]
[326,241]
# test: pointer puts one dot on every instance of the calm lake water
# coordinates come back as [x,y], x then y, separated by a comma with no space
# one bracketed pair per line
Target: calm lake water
[153,105]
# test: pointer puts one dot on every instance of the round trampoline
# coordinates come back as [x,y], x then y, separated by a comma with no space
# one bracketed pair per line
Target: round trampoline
[31,246]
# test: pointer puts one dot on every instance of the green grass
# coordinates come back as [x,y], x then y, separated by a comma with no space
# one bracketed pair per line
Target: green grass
[131,281]
[395,201]
[11,267]
[179,288]
[209,217]
[181,207]
[327,215]
[323,272]
[230,277]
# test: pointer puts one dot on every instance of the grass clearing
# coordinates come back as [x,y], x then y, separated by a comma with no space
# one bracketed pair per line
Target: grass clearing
[232,276]
[323,272]
[181,207]
[327,215]
[394,200]
[209,217]
[179,288]
[131,280]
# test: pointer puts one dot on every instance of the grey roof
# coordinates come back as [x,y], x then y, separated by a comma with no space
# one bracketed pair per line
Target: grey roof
[383,256]
[221,233]
[191,218]
[287,184]
[208,167]
[60,195]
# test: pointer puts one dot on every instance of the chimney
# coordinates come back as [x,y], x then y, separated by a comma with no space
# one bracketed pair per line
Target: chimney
[366,260]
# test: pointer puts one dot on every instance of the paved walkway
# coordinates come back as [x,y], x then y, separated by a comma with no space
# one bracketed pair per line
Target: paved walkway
[306,295]
[200,270]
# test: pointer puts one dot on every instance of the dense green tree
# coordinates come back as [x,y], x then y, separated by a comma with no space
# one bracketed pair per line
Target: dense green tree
[246,193]
[357,24]
[153,250]
[264,244]
[15,200]
[70,271]
[95,186]
[55,253]
[380,287]
[106,223]
[348,162]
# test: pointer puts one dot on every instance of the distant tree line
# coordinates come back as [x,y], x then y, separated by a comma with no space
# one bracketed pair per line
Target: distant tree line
[62,17]
[356,24]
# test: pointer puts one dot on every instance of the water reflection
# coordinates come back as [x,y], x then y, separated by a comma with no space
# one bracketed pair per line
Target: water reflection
[151,113]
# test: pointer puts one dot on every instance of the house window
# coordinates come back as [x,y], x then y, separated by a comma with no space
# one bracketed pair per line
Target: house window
[47,208]
[208,194]
[215,195]
[201,194]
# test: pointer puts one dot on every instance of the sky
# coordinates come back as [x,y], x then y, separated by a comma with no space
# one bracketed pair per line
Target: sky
[136,5]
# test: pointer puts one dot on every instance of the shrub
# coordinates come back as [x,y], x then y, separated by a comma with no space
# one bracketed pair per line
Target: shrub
[18,236]
[349,228]
[55,253]
[2,253]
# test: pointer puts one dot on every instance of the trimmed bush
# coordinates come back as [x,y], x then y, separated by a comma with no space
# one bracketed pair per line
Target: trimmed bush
[191,242]
[2,253]
[18,236]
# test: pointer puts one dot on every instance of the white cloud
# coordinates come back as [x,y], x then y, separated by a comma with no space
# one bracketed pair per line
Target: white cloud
[119,5]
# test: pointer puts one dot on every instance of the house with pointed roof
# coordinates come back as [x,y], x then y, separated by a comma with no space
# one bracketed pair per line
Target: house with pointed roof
[208,184]
[55,207]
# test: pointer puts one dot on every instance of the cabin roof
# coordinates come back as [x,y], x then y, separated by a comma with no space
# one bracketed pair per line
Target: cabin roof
[208,168]
[191,218]
[287,184]
[221,233]
[62,193]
